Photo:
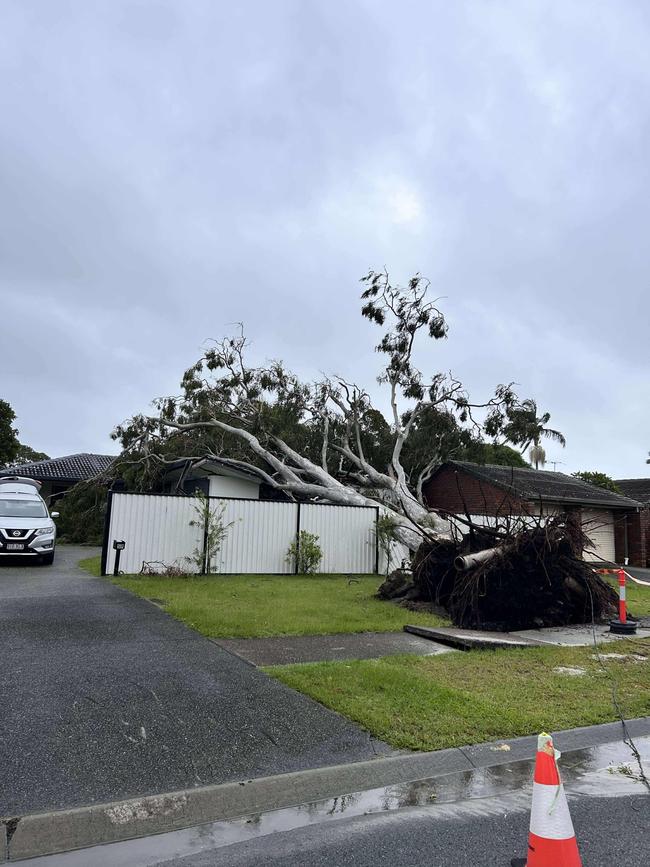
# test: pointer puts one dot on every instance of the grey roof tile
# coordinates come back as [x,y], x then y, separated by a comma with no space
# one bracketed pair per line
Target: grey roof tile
[542,484]
[70,468]
[639,489]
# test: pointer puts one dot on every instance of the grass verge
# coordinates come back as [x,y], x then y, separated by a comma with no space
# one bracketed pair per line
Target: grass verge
[91,565]
[430,703]
[262,606]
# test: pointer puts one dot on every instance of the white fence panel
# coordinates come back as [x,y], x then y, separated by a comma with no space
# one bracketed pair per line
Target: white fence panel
[155,528]
[346,536]
[259,537]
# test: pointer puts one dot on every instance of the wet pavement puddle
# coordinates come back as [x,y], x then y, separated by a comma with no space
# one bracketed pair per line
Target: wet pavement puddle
[609,770]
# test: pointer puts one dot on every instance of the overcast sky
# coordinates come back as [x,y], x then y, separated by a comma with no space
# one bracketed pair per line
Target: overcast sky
[169,168]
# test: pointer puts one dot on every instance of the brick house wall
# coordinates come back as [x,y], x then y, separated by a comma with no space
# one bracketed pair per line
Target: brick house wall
[457,492]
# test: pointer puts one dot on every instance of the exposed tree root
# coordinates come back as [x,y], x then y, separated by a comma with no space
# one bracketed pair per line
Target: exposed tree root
[538,579]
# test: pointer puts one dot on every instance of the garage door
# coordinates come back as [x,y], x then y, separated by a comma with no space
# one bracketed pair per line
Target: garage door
[598,524]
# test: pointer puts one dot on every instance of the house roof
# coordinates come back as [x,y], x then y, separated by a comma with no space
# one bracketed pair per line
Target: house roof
[70,468]
[639,489]
[530,484]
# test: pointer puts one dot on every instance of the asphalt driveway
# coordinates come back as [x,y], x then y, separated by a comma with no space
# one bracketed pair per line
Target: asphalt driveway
[104,696]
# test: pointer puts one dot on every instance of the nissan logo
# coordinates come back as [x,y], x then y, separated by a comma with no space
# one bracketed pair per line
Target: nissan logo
[16,533]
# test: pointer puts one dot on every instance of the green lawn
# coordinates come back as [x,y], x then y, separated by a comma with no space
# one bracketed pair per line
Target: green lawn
[92,565]
[260,606]
[429,703]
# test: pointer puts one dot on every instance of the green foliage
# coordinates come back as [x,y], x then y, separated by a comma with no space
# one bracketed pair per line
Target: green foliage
[386,534]
[28,455]
[521,425]
[11,449]
[305,554]
[435,434]
[214,531]
[81,513]
[9,444]
[600,480]
[331,422]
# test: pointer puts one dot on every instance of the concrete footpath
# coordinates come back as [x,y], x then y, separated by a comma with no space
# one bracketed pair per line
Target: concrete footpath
[292,649]
[106,697]
[218,816]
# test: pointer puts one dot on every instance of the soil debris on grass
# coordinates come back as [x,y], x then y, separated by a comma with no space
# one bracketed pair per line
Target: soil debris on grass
[572,672]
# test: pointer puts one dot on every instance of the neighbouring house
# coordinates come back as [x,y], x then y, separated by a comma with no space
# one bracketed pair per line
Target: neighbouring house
[217,477]
[489,493]
[57,475]
[639,489]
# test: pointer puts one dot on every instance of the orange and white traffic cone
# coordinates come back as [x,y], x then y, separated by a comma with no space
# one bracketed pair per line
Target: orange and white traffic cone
[552,840]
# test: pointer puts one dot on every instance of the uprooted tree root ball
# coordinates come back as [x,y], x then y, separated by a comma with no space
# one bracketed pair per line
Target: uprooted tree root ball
[532,578]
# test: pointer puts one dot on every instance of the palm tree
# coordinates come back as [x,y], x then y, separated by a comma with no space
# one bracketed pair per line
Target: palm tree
[537,455]
[526,430]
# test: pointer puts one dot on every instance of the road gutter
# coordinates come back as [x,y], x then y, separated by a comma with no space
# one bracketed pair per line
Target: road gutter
[65,830]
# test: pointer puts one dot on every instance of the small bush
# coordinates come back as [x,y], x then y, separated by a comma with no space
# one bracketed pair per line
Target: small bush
[387,534]
[305,554]
[211,522]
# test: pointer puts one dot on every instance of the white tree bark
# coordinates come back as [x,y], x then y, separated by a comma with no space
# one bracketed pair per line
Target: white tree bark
[298,475]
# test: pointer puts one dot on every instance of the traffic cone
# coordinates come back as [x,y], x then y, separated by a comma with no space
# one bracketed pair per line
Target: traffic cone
[552,840]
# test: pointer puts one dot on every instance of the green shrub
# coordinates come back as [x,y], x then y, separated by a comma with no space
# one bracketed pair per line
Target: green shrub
[305,554]
[211,523]
[81,513]
[386,534]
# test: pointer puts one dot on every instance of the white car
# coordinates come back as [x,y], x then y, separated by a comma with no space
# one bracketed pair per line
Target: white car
[26,526]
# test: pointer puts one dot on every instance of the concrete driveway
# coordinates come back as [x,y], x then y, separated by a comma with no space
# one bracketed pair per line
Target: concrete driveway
[104,696]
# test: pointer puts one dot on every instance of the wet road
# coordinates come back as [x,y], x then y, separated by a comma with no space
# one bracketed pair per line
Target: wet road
[611,831]
[468,819]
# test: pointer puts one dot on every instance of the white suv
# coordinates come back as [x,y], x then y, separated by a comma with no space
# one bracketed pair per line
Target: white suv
[26,527]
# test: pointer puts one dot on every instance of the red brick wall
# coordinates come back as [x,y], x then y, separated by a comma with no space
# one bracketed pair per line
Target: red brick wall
[457,492]
[454,491]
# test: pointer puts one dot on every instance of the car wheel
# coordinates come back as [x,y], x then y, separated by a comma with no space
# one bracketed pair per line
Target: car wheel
[47,559]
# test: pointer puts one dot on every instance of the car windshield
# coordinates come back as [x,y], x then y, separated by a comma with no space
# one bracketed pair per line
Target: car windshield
[22,509]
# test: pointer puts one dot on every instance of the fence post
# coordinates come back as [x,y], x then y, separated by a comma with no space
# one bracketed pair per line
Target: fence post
[107,527]
[376,541]
[205,560]
[295,568]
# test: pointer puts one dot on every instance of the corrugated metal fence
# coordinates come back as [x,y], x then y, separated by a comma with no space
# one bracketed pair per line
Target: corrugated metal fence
[156,529]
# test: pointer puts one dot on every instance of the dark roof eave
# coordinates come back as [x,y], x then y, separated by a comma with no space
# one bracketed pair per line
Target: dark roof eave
[604,504]
[475,471]
[221,463]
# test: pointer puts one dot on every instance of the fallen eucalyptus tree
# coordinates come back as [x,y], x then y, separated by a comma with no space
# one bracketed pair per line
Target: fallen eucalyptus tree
[250,407]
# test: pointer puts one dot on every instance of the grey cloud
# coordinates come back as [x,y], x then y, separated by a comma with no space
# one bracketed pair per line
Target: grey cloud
[167,168]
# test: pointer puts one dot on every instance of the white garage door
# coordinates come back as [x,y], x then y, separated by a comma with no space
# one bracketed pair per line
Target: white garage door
[599,526]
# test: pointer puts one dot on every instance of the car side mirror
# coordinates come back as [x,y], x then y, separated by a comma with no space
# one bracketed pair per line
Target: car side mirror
[54,514]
